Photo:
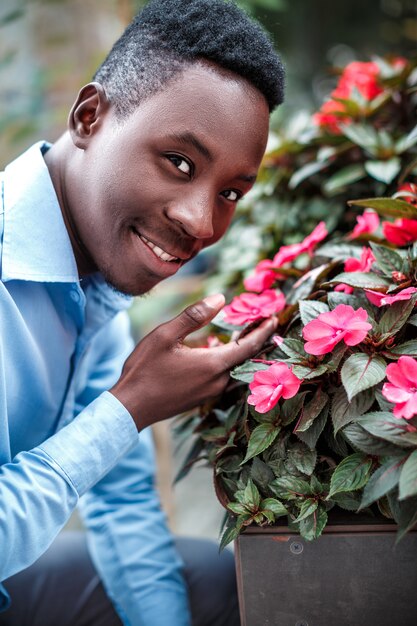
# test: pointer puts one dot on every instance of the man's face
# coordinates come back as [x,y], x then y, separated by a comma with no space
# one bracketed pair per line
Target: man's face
[153,190]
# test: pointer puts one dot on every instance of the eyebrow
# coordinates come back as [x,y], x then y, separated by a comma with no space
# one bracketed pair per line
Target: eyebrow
[189,139]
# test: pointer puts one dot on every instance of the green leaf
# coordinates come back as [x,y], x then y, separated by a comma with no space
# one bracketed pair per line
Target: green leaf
[395,317]
[408,478]
[291,408]
[294,348]
[302,457]
[290,487]
[261,474]
[247,370]
[388,260]
[237,508]
[339,251]
[311,435]
[347,501]
[389,207]
[363,135]
[273,505]
[265,418]
[412,320]
[343,411]
[343,178]
[311,527]
[384,425]
[382,481]
[251,495]
[307,373]
[367,443]
[385,171]
[312,410]
[351,474]
[408,347]
[362,280]
[305,172]
[307,508]
[261,438]
[305,285]
[310,309]
[337,354]
[232,529]
[406,142]
[361,371]
[405,513]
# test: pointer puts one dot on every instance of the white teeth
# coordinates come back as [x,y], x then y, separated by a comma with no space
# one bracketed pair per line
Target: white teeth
[164,256]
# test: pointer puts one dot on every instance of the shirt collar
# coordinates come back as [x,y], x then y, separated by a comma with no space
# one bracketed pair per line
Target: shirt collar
[36,245]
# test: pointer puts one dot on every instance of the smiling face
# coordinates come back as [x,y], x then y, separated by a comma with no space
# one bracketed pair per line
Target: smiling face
[144,195]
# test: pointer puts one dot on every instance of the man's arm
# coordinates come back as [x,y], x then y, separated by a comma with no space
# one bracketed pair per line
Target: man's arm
[40,488]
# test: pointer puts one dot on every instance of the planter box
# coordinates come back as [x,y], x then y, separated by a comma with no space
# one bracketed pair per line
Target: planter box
[353,575]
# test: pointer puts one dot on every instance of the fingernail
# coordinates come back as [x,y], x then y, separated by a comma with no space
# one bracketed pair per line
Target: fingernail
[215,301]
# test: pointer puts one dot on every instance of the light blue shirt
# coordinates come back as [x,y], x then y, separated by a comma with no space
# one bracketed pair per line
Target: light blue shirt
[64,439]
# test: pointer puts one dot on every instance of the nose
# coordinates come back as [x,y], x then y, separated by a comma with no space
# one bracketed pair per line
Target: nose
[194,213]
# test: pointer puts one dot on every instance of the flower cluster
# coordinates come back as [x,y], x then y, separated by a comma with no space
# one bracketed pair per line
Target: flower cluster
[326,415]
[359,84]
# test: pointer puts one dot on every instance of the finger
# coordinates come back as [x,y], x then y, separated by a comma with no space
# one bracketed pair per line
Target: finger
[236,352]
[194,317]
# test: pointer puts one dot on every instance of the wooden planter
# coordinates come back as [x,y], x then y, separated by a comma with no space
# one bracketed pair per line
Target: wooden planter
[353,575]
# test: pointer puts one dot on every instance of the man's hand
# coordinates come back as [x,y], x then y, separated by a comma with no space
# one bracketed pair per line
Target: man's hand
[163,377]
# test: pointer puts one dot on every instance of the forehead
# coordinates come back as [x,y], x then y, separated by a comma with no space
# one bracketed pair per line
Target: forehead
[215,105]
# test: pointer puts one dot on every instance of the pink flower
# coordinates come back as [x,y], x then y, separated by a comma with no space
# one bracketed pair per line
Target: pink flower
[402,387]
[314,238]
[250,307]
[400,232]
[263,277]
[368,222]
[382,299]
[286,254]
[330,116]
[360,76]
[363,264]
[268,386]
[343,323]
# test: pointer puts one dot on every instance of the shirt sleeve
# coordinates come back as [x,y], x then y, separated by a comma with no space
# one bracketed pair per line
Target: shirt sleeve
[40,488]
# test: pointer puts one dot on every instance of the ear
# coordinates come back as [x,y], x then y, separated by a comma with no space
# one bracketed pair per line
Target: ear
[87,113]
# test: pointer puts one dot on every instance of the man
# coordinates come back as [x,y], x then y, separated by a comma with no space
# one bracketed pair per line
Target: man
[158,151]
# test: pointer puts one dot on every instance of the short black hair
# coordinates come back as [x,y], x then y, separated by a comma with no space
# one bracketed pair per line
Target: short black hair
[168,35]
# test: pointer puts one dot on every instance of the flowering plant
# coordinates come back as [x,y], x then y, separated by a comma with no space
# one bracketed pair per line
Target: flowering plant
[326,415]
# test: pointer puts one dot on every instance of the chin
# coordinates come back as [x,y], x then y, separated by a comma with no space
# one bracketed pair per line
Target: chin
[129,287]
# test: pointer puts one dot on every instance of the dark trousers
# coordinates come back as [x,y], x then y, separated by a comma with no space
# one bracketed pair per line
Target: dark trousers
[62,588]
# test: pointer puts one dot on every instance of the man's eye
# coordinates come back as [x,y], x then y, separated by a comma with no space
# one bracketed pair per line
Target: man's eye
[232,195]
[182,164]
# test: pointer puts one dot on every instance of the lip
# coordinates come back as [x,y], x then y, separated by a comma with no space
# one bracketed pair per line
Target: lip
[153,261]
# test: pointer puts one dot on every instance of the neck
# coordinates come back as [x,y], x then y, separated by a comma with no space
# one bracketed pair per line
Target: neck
[57,159]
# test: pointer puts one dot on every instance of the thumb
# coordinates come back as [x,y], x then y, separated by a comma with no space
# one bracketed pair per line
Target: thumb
[196,316]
